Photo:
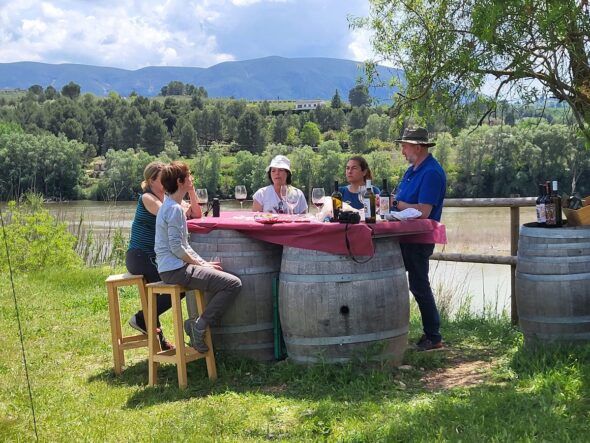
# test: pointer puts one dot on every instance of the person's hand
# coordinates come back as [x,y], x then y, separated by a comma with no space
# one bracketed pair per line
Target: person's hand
[213,264]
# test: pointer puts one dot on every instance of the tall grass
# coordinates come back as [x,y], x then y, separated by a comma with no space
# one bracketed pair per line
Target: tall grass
[97,247]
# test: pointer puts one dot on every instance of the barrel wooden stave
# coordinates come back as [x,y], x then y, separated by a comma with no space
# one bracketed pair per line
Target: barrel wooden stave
[246,328]
[333,309]
[553,284]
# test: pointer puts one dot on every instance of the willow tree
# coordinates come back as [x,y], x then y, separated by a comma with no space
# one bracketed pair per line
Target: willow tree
[450,49]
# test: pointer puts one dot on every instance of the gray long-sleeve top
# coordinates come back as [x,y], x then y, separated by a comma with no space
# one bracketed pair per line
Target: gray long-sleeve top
[171,243]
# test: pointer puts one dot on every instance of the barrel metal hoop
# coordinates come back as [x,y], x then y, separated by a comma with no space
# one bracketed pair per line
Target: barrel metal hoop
[335,278]
[231,254]
[320,358]
[251,271]
[556,320]
[525,231]
[552,260]
[331,258]
[250,347]
[559,337]
[553,277]
[346,339]
[241,329]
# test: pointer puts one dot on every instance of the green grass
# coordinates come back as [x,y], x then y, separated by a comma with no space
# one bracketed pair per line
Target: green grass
[529,395]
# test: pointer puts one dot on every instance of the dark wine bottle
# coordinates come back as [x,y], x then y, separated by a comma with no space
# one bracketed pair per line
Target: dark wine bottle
[369,201]
[384,200]
[549,206]
[540,206]
[336,200]
[556,200]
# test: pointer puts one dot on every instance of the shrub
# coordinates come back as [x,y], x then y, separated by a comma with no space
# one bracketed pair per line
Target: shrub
[35,239]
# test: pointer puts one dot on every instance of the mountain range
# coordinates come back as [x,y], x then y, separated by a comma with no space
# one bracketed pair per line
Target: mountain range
[267,78]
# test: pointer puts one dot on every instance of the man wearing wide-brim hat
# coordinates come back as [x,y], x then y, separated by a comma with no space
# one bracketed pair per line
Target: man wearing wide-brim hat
[422,187]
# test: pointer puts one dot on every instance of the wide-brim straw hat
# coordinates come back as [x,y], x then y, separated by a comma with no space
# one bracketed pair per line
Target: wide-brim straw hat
[281,162]
[418,136]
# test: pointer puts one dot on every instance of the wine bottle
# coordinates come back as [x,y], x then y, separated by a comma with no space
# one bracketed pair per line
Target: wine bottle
[215,207]
[556,200]
[369,200]
[540,207]
[336,200]
[549,206]
[384,198]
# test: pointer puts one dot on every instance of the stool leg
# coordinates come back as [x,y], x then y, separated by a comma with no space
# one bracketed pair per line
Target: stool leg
[116,334]
[152,338]
[142,295]
[179,337]
[210,356]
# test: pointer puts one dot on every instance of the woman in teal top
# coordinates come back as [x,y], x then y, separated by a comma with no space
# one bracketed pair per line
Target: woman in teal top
[141,258]
[357,173]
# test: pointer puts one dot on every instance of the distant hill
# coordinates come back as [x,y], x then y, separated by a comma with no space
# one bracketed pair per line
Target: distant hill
[263,78]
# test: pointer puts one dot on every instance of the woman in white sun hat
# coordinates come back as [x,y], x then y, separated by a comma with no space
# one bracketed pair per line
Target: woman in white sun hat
[268,199]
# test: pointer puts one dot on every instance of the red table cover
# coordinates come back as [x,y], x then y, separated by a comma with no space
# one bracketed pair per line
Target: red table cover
[326,237]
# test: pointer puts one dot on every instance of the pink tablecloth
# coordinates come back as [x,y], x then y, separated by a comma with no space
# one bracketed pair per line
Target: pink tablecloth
[326,237]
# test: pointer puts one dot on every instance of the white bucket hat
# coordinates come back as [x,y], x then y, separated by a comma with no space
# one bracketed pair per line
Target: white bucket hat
[280,161]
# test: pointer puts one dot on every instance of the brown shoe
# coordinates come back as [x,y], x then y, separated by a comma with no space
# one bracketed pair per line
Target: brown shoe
[428,345]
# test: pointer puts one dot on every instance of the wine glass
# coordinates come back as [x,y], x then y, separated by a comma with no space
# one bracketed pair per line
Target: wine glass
[317,197]
[292,199]
[202,198]
[241,195]
[284,190]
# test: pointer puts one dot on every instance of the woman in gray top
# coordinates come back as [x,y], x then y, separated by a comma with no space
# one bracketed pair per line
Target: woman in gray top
[179,264]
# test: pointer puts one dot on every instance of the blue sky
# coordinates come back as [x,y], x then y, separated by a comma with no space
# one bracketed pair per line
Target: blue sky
[134,34]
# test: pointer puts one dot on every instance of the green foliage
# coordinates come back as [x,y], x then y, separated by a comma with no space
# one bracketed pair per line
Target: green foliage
[123,176]
[71,91]
[359,95]
[447,50]
[48,164]
[310,134]
[36,240]
[336,102]
[207,167]
[251,131]
[250,171]
[154,134]
[10,128]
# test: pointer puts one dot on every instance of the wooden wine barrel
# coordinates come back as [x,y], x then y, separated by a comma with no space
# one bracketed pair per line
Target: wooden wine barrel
[246,329]
[553,283]
[333,309]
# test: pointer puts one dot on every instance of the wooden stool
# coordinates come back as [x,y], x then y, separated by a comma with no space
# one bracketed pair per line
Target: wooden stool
[182,354]
[120,343]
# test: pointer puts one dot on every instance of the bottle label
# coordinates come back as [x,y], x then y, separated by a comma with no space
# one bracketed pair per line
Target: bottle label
[367,203]
[541,214]
[550,213]
[383,206]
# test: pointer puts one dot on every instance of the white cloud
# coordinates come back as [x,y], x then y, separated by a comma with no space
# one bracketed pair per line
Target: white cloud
[361,49]
[120,34]
[131,34]
[252,2]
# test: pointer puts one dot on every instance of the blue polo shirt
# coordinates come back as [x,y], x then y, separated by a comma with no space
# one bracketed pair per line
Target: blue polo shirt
[427,184]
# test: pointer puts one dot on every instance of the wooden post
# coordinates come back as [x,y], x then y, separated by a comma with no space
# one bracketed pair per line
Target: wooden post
[514,227]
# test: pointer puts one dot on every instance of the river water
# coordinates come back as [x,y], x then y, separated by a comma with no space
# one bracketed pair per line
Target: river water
[469,230]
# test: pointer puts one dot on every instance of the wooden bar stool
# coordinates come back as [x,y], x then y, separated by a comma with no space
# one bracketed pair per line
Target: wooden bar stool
[120,343]
[182,354]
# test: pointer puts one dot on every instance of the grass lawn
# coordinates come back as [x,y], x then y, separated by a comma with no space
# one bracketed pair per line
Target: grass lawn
[485,387]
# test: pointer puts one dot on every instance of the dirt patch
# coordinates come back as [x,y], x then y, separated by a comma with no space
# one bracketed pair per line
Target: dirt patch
[278,389]
[459,374]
